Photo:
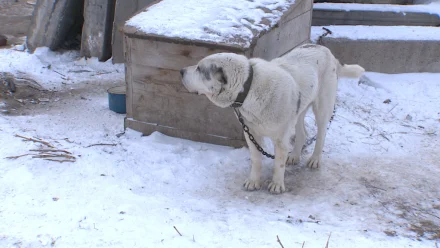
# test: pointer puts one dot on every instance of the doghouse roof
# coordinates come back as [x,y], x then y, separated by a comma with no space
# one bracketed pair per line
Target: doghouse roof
[226,22]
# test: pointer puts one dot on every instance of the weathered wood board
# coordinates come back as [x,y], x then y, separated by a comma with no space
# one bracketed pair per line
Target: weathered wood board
[123,11]
[97,29]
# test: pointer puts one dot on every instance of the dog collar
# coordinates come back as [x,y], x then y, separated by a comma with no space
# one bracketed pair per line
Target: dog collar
[247,85]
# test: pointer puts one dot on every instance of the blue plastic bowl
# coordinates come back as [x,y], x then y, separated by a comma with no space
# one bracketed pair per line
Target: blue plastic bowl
[116,99]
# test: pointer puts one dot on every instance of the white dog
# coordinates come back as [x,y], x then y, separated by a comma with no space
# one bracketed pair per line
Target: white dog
[272,97]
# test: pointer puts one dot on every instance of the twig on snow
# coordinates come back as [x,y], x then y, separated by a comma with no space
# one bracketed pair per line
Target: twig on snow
[46,156]
[177,230]
[303,244]
[326,246]
[60,161]
[312,221]
[53,156]
[436,246]
[383,136]
[362,125]
[59,73]
[426,212]
[279,241]
[101,144]
[392,108]
[19,156]
[41,88]
[36,140]
[50,150]
[102,73]
[49,153]
[374,187]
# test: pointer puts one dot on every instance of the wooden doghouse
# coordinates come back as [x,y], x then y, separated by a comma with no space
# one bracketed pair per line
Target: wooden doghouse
[171,34]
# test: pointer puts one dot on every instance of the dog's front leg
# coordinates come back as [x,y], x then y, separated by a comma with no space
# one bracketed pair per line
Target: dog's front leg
[254,180]
[281,154]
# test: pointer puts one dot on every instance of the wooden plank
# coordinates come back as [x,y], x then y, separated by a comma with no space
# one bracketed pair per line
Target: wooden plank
[126,48]
[128,79]
[284,38]
[97,29]
[300,7]
[149,128]
[129,92]
[162,104]
[144,86]
[123,11]
[142,73]
[167,55]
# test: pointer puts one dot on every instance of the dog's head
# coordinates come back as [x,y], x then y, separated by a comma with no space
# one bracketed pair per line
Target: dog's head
[219,76]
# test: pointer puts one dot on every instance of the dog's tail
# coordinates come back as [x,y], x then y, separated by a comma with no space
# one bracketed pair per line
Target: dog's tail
[350,71]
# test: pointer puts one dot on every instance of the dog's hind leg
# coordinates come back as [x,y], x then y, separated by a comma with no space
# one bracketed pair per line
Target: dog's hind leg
[300,139]
[323,110]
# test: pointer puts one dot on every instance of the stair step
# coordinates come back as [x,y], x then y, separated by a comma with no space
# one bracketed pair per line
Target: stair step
[386,49]
[375,14]
[367,1]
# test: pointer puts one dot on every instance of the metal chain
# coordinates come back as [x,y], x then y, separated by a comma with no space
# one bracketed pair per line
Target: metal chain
[327,32]
[313,139]
[251,137]
[260,149]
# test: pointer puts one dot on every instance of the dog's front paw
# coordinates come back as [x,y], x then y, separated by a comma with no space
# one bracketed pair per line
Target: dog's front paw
[293,160]
[314,162]
[276,187]
[251,185]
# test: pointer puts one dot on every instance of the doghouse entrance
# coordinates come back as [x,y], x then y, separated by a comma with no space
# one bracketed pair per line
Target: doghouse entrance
[70,38]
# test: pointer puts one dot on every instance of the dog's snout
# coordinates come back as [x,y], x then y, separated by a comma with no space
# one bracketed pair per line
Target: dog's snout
[182,72]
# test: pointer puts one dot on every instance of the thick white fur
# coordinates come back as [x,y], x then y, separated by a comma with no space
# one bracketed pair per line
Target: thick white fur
[281,92]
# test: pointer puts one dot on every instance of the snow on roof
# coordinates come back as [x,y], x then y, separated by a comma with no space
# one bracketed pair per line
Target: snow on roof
[378,32]
[429,8]
[232,22]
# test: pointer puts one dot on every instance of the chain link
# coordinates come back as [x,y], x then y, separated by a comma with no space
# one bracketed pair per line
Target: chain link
[260,149]
[251,137]
[313,139]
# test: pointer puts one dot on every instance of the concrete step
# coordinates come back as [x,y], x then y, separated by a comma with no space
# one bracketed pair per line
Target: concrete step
[367,1]
[375,14]
[386,49]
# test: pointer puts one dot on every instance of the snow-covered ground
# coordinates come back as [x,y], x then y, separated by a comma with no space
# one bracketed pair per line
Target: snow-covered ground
[378,186]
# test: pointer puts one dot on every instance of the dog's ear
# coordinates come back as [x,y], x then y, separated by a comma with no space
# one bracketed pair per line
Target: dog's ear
[220,75]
